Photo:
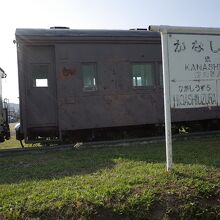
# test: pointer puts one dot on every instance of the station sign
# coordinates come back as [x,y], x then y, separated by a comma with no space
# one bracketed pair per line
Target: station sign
[191,72]
[194,70]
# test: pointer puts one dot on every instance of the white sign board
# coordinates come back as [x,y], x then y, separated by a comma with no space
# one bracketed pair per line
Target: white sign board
[191,71]
[194,69]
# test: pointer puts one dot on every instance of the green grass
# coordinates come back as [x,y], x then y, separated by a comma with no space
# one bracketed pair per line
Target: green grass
[113,183]
[12,142]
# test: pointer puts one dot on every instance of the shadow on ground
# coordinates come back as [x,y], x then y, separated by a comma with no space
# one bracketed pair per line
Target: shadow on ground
[50,165]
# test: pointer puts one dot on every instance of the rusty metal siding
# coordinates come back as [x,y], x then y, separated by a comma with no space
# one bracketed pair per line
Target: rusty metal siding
[21,82]
[41,102]
[197,114]
[116,102]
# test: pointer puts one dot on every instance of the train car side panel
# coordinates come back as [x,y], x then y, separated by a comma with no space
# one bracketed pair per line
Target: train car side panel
[113,100]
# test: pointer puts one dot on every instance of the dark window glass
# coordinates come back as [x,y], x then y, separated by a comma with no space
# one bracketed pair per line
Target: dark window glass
[40,75]
[143,74]
[161,74]
[89,76]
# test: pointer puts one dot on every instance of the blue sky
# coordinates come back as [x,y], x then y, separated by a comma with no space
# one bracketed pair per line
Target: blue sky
[94,14]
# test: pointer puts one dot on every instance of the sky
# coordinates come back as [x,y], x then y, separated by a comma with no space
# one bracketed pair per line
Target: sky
[93,14]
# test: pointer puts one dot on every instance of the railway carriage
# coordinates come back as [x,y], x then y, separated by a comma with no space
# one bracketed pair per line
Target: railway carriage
[89,84]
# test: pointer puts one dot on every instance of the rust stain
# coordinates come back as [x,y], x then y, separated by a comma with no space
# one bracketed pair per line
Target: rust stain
[67,73]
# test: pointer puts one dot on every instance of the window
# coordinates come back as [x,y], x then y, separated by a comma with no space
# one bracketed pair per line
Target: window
[89,76]
[40,75]
[161,75]
[142,74]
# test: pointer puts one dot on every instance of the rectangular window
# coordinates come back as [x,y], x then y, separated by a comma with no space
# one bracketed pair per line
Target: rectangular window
[142,74]
[40,75]
[89,76]
[161,74]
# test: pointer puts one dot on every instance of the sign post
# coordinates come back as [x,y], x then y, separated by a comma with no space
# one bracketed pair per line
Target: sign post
[166,90]
[191,72]
[167,111]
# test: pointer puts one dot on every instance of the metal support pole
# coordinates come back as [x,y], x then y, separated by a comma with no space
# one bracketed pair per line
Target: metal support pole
[166,89]
[167,110]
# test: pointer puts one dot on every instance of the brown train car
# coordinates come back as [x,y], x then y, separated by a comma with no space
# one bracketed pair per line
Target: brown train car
[84,84]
